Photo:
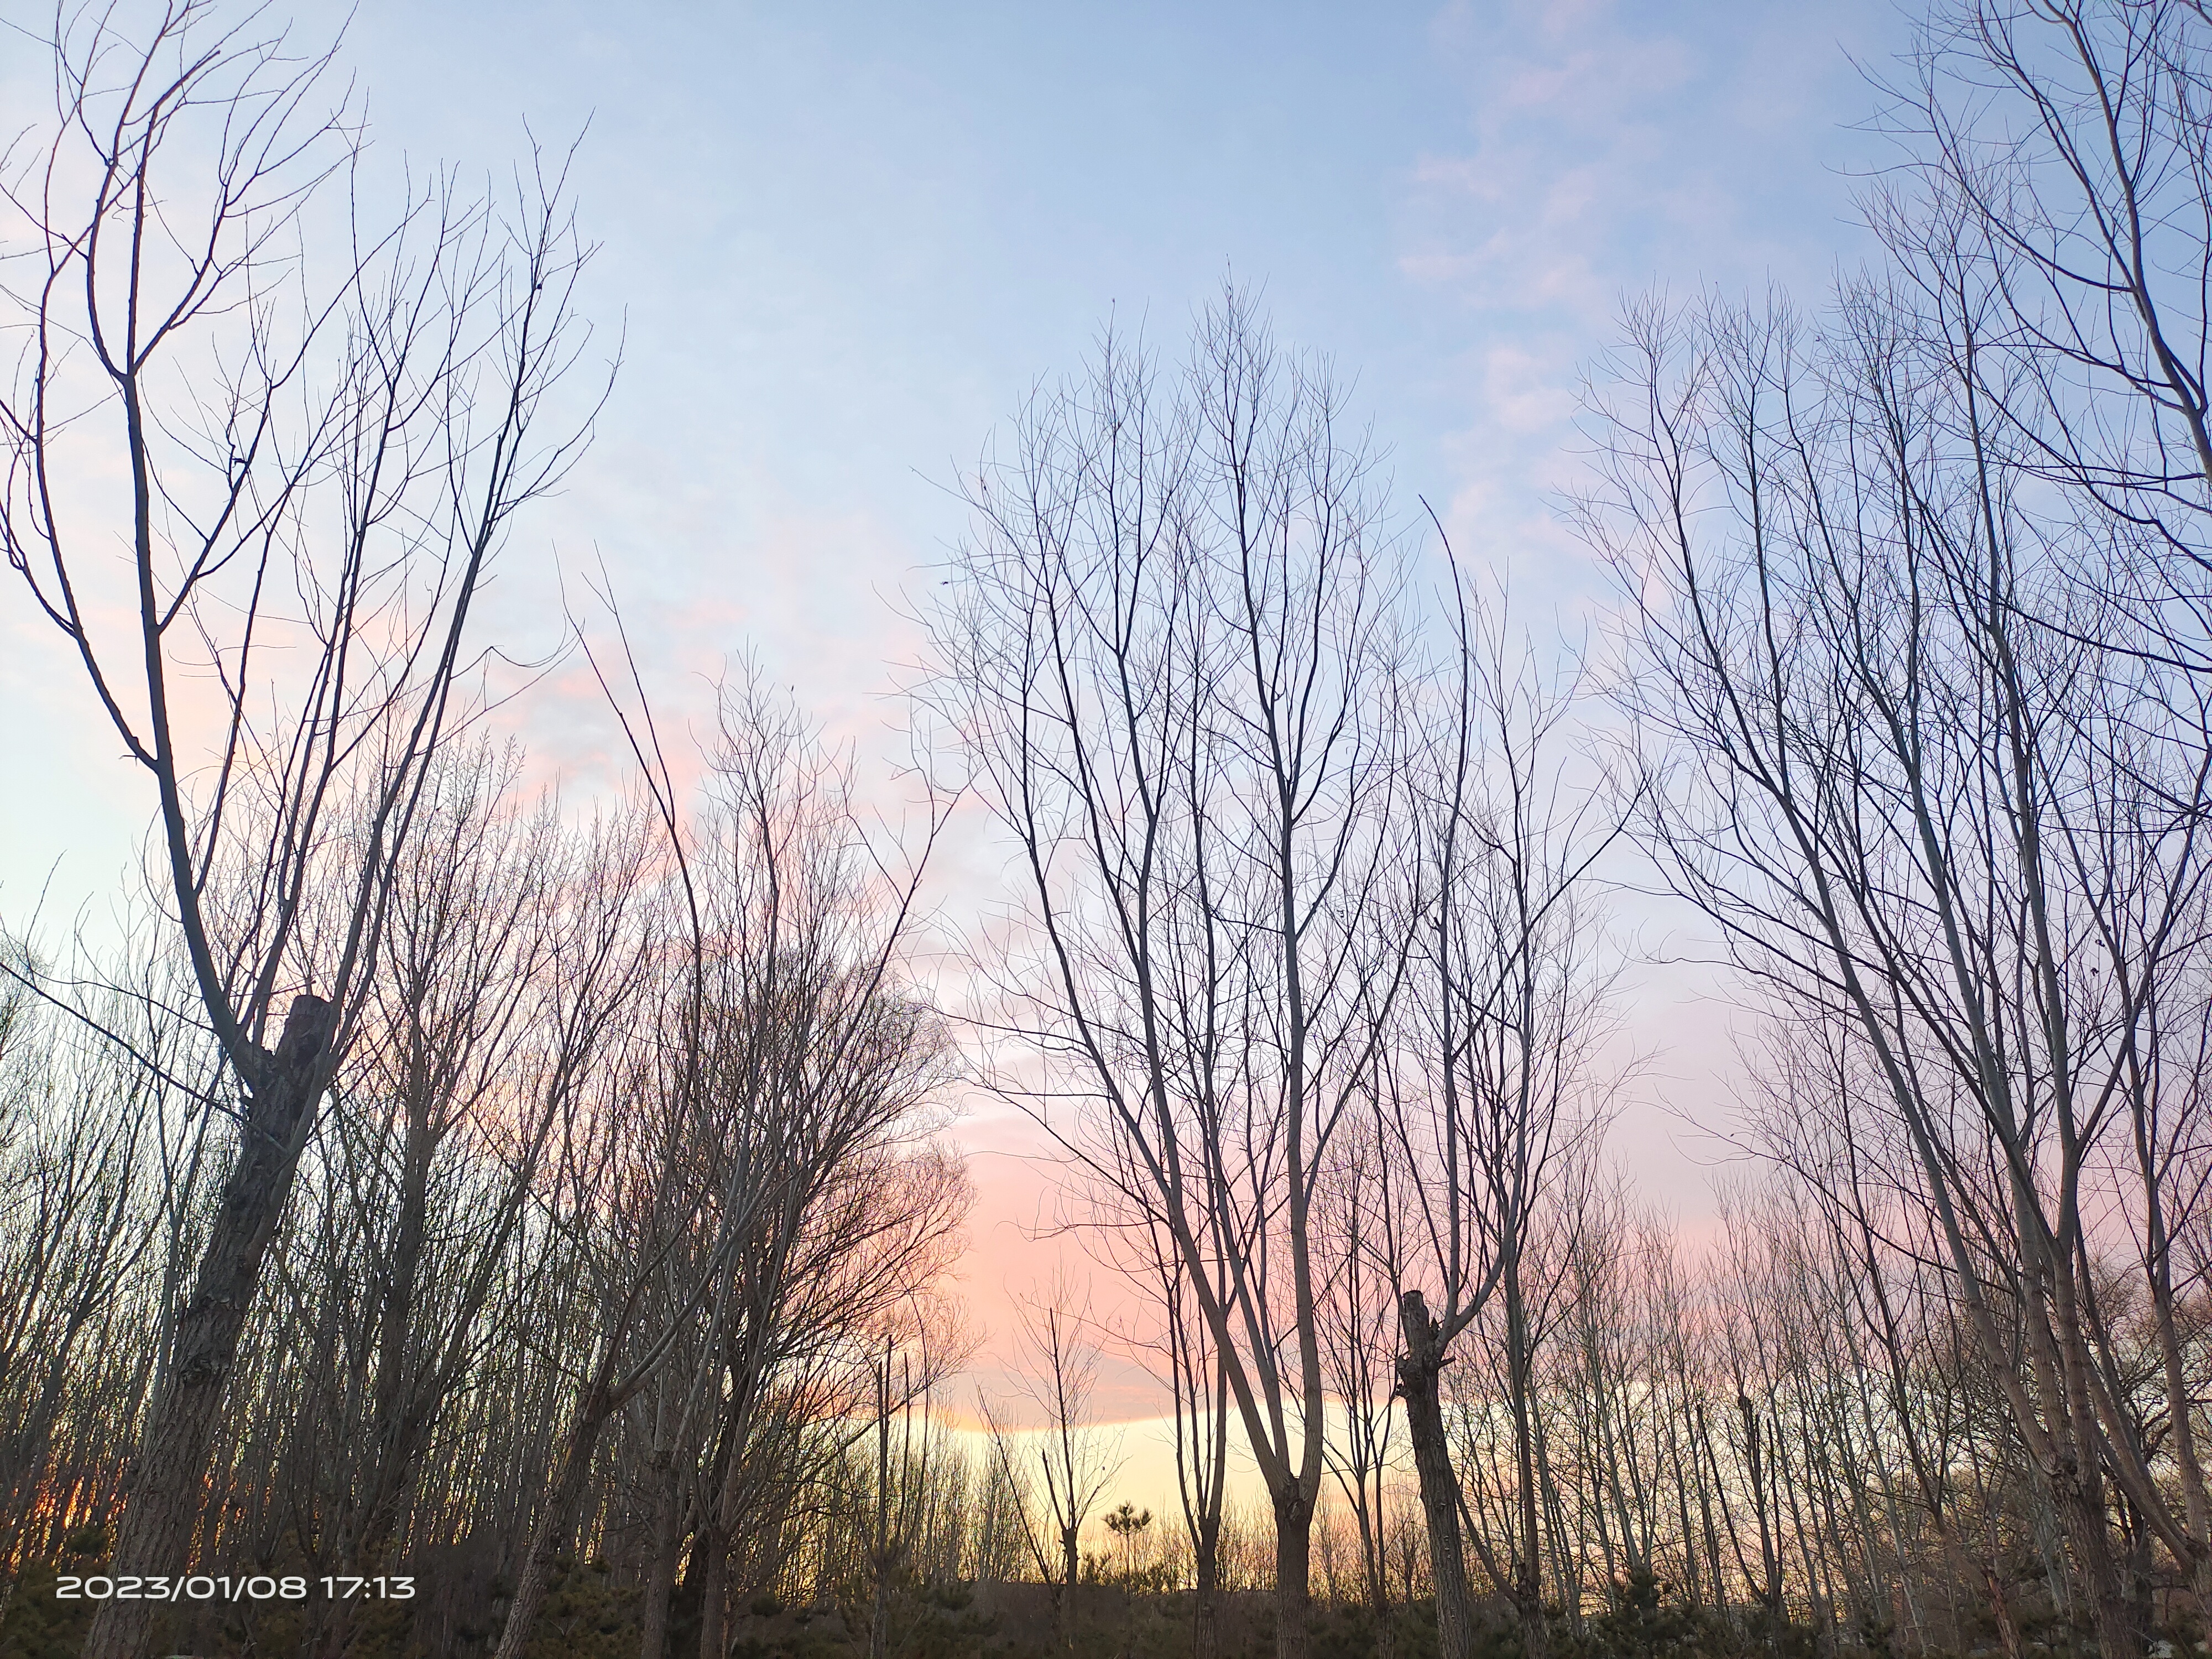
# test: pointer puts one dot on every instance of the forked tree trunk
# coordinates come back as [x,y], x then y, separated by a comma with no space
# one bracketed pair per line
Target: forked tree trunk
[164,1492]
[1419,1371]
[1293,1576]
[1206,1611]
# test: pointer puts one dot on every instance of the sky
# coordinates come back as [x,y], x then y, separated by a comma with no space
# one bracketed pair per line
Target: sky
[839,243]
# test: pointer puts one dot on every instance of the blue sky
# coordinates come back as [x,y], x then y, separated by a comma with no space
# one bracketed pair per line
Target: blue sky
[847,239]
[842,241]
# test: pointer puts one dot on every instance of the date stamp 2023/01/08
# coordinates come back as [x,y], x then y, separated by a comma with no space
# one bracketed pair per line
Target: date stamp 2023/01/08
[222,1587]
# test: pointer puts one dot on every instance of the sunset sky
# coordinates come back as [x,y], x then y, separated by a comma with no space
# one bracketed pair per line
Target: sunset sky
[841,242]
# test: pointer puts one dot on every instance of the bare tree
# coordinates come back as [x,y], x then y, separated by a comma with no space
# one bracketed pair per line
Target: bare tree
[1173,659]
[319,479]
[1360,1242]
[1071,1453]
[1498,1078]
[96,1097]
[511,956]
[2053,218]
[1971,842]
[784,1055]
[917,1352]
[1180,1354]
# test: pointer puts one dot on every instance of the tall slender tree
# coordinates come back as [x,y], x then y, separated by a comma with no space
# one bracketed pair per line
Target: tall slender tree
[1172,658]
[313,480]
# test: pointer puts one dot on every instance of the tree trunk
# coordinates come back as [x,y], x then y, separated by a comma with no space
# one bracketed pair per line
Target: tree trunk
[2000,1612]
[1206,1612]
[2083,1514]
[1071,1567]
[1383,1626]
[557,1526]
[401,1417]
[1528,1606]
[1528,1555]
[1293,1575]
[2181,1408]
[164,1492]
[667,1552]
[1420,1369]
[1374,1566]
[711,1556]
[879,1614]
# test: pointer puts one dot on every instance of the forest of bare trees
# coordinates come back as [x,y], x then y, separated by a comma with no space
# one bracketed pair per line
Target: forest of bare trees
[447,1216]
